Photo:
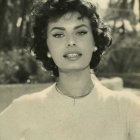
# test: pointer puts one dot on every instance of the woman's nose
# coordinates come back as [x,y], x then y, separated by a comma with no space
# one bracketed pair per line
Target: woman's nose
[71,42]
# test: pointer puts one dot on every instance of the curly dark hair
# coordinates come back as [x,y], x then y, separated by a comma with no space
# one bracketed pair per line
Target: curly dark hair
[51,10]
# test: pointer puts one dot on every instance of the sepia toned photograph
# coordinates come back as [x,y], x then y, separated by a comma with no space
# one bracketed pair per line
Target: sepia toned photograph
[69,69]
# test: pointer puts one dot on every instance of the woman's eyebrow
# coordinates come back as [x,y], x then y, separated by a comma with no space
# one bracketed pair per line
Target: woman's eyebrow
[79,26]
[57,28]
[62,28]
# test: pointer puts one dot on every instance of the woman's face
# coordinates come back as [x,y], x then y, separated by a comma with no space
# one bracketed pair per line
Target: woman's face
[70,42]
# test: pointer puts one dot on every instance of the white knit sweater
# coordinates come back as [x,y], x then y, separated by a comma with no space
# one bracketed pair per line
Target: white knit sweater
[49,115]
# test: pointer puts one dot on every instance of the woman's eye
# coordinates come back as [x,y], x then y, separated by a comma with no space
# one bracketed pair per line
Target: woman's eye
[58,35]
[82,33]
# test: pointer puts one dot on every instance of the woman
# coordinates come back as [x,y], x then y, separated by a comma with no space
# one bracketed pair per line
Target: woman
[69,38]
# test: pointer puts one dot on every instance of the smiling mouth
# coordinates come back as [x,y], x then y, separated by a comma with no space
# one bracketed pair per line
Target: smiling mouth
[72,56]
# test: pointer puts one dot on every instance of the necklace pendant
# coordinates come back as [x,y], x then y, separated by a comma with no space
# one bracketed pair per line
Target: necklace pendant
[74,102]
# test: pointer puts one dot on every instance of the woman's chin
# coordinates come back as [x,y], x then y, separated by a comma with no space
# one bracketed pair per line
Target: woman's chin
[74,68]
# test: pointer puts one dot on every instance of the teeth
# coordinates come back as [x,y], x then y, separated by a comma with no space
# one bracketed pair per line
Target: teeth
[72,55]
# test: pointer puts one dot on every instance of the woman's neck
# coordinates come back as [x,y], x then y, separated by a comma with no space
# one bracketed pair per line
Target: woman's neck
[75,84]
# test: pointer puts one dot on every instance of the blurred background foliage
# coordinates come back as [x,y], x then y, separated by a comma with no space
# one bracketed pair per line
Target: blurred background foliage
[17,65]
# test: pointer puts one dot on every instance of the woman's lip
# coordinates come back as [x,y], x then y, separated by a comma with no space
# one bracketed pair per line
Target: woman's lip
[72,56]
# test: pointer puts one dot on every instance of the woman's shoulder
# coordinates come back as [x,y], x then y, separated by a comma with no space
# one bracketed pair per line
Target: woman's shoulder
[18,115]
[121,96]
[36,96]
[28,101]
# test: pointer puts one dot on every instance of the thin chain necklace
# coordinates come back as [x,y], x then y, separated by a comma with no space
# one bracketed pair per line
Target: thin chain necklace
[75,97]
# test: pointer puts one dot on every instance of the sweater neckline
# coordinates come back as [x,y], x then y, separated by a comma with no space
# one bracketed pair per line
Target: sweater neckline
[76,98]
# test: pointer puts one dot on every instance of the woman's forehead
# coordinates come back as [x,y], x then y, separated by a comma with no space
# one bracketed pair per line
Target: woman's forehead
[70,15]
[70,18]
